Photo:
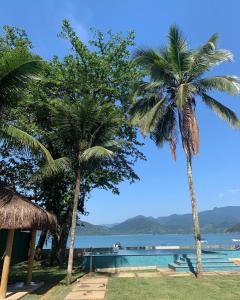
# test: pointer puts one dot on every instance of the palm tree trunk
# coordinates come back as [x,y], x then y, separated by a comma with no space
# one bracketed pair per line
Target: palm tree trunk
[73,228]
[63,240]
[197,233]
[55,245]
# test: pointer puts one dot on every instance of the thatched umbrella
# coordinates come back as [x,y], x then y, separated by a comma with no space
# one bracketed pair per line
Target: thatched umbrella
[17,212]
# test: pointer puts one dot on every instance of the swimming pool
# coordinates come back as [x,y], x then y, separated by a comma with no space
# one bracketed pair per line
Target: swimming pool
[145,252]
[153,258]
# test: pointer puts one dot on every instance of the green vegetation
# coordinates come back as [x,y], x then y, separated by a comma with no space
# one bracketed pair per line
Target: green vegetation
[78,97]
[54,279]
[235,228]
[18,67]
[181,288]
[165,103]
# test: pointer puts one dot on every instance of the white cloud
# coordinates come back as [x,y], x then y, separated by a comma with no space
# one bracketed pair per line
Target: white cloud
[234,191]
[227,193]
[74,12]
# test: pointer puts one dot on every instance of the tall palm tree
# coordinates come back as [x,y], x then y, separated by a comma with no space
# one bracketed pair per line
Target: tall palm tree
[18,67]
[85,131]
[165,102]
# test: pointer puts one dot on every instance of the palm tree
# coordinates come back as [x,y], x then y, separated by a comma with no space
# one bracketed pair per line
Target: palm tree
[165,103]
[18,67]
[85,131]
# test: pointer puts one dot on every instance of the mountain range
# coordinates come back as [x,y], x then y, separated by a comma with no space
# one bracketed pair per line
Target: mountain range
[217,220]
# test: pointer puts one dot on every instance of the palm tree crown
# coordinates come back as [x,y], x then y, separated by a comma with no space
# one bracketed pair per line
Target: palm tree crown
[176,82]
[167,101]
[84,130]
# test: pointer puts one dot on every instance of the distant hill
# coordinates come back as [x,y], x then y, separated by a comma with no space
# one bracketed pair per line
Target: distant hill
[138,224]
[235,228]
[217,220]
[109,225]
[89,229]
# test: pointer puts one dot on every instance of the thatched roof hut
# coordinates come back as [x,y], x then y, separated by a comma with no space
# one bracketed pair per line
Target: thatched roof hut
[17,212]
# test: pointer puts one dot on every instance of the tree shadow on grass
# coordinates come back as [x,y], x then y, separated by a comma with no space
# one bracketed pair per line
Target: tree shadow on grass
[42,272]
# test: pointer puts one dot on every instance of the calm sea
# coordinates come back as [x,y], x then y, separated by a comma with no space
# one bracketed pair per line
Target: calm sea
[151,240]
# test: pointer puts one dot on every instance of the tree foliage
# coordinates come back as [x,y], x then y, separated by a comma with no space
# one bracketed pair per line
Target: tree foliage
[176,83]
[99,72]
[18,66]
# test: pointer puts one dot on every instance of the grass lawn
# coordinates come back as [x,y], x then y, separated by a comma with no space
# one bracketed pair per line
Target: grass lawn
[178,288]
[54,278]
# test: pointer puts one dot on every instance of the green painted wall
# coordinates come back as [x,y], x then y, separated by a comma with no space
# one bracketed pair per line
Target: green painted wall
[20,246]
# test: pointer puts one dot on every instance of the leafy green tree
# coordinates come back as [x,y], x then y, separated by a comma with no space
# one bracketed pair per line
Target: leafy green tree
[100,71]
[14,37]
[165,104]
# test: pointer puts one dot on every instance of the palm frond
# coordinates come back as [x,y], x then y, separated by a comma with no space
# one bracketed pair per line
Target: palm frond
[17,68]
[221,110]
[142,106]
[96,152]
[219,56]
[146,121]
[165,129]
[146,57]
[116,143]
[207,56]
[154,64]
[52,168]
[208,48]
[145,86]
[211,43]
[24,140]
[178,50]
[227,84]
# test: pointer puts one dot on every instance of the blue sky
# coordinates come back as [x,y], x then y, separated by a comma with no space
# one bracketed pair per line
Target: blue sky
[162,189]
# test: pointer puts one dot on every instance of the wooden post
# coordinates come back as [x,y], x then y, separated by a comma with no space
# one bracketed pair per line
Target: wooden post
[31,255]
[6,264]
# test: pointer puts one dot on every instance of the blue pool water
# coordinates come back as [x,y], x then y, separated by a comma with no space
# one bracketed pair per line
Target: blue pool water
[217,259]
[144,252]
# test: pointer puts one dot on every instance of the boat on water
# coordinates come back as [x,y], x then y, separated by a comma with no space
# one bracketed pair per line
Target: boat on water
[204,241]
[117,247]
[237,246]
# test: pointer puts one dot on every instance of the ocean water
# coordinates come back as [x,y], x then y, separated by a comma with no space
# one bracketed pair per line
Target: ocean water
[151,240]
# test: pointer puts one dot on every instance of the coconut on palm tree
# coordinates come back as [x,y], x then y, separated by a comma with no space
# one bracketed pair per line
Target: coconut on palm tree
[165,102]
